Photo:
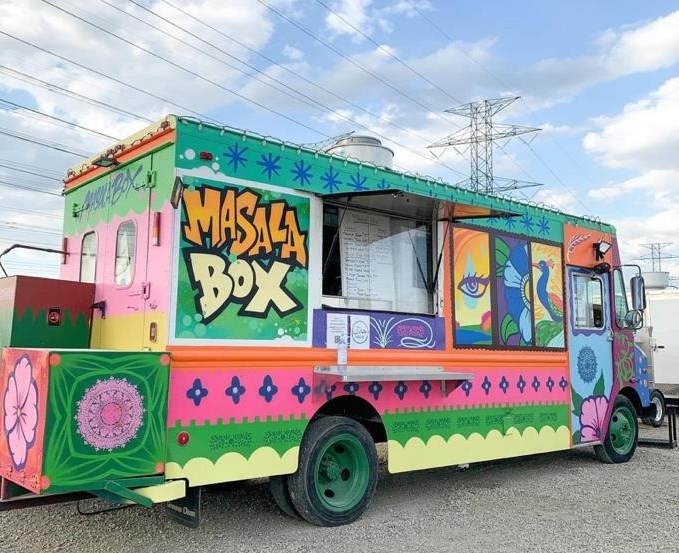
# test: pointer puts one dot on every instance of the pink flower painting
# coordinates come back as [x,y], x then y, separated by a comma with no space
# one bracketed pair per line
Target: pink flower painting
[592,418]
[21,411]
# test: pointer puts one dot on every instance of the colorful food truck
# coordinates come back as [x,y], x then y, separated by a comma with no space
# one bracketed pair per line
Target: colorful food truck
[235,307]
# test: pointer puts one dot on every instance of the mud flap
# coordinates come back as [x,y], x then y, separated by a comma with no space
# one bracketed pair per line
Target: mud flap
[186,510]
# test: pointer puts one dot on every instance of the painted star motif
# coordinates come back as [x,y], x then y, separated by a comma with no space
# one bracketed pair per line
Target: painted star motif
[357,182]
[510,222]
[235,155]
[301,173]
[331,179]
[527,223]
[270,165]
[543,225]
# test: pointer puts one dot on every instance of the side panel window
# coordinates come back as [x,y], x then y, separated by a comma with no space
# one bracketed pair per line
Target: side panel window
[126,247]
[378,262]
[588,304]
[88,257]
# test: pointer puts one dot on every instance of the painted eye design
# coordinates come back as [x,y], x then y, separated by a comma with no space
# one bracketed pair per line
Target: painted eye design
[473,286]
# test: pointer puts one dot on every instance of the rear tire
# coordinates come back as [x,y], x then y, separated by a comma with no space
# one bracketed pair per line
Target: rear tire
[281,495]
[658,419]
[337,473]
[621,437]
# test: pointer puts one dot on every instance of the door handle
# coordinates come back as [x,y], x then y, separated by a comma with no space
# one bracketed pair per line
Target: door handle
[145,290]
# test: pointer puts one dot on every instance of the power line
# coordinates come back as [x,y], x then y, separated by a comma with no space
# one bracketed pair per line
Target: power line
[474,60]
[186,70]
[270,60]
[65,92]
[377,77]
[28,188]
[27,172]
[58,119]
[45,143]
[104,75]
[316,104]
[29,166]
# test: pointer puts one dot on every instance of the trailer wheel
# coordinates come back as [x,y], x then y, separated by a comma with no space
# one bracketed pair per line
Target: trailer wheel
[337,473]
[623,430]
[658,419]
[281,495]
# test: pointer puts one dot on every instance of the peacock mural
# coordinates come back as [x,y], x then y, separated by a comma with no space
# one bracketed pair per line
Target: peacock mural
[548,294]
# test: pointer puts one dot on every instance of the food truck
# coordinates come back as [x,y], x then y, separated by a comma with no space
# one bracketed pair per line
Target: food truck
[233,307]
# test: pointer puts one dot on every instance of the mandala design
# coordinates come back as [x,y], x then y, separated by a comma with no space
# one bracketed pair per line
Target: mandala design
[110,414]
[587,365]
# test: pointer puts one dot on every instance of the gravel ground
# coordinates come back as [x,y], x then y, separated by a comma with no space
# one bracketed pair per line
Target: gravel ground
[565,502]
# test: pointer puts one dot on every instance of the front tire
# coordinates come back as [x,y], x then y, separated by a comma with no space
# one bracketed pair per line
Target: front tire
[337,473]
[620,442]
[658,418]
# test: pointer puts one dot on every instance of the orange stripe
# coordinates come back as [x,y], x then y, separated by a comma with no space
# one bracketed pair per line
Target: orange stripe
[150,143]
[215,357]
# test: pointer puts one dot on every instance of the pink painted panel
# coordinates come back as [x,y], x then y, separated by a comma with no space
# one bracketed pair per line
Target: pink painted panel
[209,395]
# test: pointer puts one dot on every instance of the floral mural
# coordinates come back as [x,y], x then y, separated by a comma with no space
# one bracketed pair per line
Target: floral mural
[21,411]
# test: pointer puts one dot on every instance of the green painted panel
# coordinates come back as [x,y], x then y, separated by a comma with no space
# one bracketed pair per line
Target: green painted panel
[106,417]
[213,440]
[243,155]
[446,422]
[32,331]
[119,192]
[264,286]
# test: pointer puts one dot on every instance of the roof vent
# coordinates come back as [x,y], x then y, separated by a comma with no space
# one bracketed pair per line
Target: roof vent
[366,149]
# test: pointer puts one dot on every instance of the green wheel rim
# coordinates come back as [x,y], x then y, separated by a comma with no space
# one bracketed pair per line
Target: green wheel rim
[342,473]
[621,430]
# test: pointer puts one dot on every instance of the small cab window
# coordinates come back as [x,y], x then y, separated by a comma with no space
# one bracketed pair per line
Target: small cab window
[88,257]
[621,307]
[377,261]
[588,303]
[126,246]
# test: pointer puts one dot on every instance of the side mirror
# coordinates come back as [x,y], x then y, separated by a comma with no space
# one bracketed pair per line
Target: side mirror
[634,319]
[638,290]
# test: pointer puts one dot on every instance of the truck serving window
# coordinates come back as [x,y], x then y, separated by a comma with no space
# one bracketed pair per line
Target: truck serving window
[377,261]
[88,257]
[621,307]
[588,302]
[126,246]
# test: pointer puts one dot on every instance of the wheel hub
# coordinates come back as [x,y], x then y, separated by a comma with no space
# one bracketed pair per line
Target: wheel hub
[330,468]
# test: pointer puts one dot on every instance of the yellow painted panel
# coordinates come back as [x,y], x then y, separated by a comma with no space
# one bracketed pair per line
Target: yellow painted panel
[124,332]
[458,450]
[234,466]
[164,492]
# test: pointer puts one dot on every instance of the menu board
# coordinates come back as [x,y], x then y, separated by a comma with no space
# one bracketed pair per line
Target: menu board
[366,250]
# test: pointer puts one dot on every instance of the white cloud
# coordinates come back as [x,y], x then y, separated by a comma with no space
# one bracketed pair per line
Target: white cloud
[292,53]
[356,18]
[644,136]
[643,48]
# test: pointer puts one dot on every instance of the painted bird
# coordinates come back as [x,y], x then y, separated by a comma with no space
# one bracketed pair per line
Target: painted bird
[549,301]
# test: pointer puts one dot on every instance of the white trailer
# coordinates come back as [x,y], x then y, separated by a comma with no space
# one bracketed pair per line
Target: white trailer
[659,338]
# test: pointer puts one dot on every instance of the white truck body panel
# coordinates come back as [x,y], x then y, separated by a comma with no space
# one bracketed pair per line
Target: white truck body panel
[662,318]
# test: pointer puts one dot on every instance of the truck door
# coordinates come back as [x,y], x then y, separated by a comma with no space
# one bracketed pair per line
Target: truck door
[590,352]
[125,286]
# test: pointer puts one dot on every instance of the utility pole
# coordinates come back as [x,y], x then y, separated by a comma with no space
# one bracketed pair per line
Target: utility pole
[479,135]
[656,257]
